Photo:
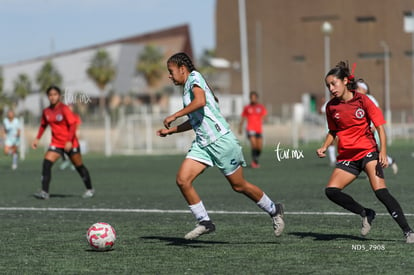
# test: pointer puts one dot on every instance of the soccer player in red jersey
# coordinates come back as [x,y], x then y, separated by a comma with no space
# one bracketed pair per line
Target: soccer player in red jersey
[62,122]
[349,115]
[254,113]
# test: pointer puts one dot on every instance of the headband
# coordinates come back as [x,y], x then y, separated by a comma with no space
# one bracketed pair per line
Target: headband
[362,85]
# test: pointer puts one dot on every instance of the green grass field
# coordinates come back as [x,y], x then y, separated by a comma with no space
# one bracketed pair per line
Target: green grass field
[48,237]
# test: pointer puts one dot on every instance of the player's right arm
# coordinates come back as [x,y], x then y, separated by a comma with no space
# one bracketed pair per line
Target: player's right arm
[330,137]
[43,125]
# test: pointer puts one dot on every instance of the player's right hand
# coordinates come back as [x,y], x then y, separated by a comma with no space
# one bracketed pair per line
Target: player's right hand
[163,132]
[321,152]
[34,143]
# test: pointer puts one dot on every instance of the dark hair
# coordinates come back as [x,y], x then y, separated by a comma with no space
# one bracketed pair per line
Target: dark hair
[182,59]
[53,87]
[254,93]
[341,71]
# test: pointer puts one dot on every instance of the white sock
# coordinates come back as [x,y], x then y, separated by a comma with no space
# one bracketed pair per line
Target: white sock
[267,205]
[199,212]
[332,153]
[15,157]
[390,160]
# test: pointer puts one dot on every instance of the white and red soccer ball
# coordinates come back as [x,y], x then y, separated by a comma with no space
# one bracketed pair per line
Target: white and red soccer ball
[101,236]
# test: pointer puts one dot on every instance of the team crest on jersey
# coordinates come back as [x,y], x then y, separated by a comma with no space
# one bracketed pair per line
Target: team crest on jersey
[59,117]
[360,113]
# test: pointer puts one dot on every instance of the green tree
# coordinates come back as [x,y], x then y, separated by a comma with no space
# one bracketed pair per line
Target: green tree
[48,75]
[1,80]
[22,86]
[150,64]
[4,100]
[102,72]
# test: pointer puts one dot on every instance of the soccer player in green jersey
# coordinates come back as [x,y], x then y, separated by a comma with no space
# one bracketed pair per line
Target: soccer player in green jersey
[215,144]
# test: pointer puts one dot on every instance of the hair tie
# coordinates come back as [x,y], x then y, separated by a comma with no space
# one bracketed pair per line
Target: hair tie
[352,76]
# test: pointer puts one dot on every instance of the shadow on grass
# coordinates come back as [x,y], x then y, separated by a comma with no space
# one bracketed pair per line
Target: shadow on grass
[59,196]
[91,250]
[326,237]
[181,241]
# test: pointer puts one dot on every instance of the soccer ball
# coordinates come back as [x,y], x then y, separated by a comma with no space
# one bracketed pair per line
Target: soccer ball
[101,236]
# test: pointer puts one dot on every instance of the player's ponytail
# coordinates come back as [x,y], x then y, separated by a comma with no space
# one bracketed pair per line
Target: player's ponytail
[341,71]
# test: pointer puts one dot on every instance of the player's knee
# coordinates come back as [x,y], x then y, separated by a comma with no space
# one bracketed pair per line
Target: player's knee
[332,192]
[183,181]
[82,170]
[239,187]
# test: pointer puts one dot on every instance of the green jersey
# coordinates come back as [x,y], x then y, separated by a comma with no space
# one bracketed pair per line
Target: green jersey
[207,122]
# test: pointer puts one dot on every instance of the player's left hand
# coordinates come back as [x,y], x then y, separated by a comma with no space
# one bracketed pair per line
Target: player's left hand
[383,160]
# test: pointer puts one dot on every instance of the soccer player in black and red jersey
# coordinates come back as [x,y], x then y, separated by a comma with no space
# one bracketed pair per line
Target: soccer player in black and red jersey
[254,113]
[62,122]
[349,115]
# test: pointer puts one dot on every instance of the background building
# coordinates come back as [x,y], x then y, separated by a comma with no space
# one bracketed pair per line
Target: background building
[286,48]
[73,64]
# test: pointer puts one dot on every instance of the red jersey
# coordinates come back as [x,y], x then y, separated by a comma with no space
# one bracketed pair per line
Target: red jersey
[254,113]
[351,121]
[62,122]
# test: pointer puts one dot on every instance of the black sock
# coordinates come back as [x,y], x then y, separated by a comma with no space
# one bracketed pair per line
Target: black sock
[346,201]
[84,173]
[393,208]
[254,155]
[46,174]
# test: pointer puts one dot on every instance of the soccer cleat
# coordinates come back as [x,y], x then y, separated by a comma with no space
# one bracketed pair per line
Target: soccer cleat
[42,195]
[277,219]
[88,194]
[255,164]
[394,167]
[14,166]
[203,227]
[367,221]
[409,237]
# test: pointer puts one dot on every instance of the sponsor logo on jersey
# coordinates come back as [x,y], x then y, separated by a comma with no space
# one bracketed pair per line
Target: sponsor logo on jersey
[360,113]
[59,117]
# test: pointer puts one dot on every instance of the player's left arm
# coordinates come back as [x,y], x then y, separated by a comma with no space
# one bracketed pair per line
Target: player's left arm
[185,126]
[19,128]
[375,114]
[383,160]
[72,125]
[199,101]
[264,118]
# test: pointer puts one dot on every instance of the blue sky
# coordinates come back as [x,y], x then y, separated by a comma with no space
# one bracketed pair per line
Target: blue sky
[32,28]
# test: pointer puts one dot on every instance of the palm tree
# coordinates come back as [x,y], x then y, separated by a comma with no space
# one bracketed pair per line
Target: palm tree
[4,100]
[150,64]
[101,71]
[22,86]
[48,75]
[1,80]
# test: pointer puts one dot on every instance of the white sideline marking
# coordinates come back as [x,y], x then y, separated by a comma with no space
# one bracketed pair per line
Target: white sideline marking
[122,210]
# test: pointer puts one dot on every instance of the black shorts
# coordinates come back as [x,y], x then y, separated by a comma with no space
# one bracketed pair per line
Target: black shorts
[253,134]
[357,166]
[62,152]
